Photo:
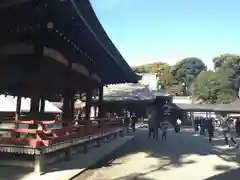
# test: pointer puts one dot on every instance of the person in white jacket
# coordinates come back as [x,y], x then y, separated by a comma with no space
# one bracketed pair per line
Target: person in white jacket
[226,128]
[179,122]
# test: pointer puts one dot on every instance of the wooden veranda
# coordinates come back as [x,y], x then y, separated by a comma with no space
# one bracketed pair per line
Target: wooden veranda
[55,50]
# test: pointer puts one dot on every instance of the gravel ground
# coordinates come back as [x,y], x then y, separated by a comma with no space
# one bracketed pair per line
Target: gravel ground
[185,156]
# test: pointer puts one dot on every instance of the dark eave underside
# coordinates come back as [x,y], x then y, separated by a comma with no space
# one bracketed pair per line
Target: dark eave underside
[19,74]
[78,26]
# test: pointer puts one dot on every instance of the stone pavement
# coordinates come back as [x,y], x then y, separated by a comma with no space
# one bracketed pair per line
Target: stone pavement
[66,169]
[185,156]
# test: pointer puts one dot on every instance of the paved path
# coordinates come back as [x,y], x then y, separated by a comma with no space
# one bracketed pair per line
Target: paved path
[64,170]
[184,156]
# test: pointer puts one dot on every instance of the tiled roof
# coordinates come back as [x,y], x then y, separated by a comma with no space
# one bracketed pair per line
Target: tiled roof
[129,92]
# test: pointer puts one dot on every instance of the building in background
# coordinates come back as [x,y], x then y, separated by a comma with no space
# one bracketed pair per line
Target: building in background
[182,100]
[150,80]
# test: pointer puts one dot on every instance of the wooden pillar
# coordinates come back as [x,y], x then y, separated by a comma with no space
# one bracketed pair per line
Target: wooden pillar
[95,110]
[39,36]
[42,108]
[42,105]
[68,95]
[72,108]
[88,104]
[18,108]
[101,111]
[68,106]
[192,119]
[17,114]
[34,107]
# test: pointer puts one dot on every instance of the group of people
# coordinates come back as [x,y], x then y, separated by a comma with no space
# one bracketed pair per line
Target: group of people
[130,119]
[155,125]
[202,124]
[224,123]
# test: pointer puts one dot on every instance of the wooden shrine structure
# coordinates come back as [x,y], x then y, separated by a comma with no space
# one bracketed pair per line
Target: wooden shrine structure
[55,50]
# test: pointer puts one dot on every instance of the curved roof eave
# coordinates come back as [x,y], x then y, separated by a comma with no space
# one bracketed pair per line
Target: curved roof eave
[85,11]
[90,19]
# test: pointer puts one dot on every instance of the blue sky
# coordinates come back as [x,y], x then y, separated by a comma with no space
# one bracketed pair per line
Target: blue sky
[168,30]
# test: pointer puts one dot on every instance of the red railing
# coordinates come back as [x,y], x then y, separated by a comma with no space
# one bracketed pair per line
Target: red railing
[43,136]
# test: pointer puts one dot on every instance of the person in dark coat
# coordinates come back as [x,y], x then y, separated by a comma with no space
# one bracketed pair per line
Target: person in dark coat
[151,124]
[196,125]
[127,121]
[210,129]
[237,126]
[133,122]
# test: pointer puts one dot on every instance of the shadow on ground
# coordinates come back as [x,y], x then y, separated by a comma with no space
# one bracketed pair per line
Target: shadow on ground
[174,152]
[13,173]
[229,175]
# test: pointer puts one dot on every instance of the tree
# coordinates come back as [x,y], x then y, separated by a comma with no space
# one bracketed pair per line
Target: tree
[225,61]
[175,90]
[187,70]
[163,74]
[139,69]
[213,87]
[148,68]
[230,65]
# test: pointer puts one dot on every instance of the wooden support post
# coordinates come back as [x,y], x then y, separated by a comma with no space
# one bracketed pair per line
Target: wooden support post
[18,108]
[68,106]
[66,101]
[192,119]
[17,114]
[101,111]
[88,105]
[42,108]
[34,107]
[68,96]
[95,111]
[71,107]
[42,105]
[39,164]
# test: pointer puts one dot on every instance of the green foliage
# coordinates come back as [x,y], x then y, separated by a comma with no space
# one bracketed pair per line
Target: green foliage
[213,87]
[231,64]
[225,61]
[148,68]
[190,74]
[163,74]
[176,89]
[188,69]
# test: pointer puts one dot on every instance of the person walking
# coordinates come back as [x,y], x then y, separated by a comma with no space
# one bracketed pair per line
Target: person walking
[227,132]
[127,121]
[164,128]
[133,122]
[156,121]
[237,126]
[210,129]
[179,122]
[151,124]
[178,125]
[196,124]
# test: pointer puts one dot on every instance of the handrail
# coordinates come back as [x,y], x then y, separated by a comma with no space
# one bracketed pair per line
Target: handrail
[57,121]
[44,137]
